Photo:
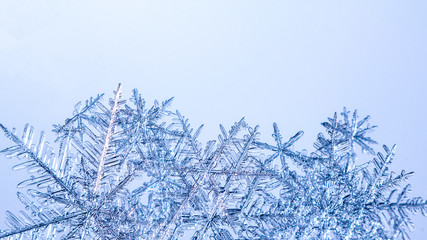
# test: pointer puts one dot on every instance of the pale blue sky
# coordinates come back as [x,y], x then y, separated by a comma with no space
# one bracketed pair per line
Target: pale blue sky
[294,63]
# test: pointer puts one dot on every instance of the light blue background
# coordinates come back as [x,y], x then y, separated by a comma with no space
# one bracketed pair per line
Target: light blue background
[271,61]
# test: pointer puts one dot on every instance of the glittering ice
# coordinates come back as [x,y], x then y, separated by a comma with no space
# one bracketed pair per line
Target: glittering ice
[128,171]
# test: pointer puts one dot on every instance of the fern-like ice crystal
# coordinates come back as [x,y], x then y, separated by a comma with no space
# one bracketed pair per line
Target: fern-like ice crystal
[128,171]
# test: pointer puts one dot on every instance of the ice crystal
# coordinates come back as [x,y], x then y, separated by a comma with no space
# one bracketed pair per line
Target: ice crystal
[135,172]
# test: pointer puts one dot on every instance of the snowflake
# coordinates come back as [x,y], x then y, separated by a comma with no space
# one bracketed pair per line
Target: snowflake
[138,172]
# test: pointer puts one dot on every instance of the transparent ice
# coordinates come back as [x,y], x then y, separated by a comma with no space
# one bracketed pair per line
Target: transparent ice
[128,171]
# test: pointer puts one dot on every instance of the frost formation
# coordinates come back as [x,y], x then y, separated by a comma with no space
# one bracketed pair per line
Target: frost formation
[137,172]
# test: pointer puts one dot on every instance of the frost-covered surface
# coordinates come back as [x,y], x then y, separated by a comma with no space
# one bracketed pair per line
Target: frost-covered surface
[128,171]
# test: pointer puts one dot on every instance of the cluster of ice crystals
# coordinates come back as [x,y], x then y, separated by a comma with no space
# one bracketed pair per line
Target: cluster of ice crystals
[128,171]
